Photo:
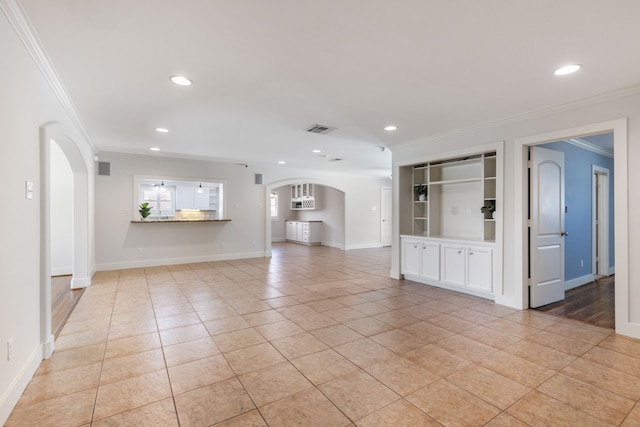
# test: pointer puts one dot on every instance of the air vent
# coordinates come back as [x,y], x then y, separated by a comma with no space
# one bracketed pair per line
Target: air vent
[321,129]
[335,159]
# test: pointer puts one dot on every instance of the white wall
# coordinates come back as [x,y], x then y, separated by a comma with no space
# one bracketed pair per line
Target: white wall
[624,104]
[121,244]
[61,187]
[28,102]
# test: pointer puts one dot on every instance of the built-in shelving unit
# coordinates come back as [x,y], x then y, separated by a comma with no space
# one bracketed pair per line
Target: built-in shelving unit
[447,240]
[456,189]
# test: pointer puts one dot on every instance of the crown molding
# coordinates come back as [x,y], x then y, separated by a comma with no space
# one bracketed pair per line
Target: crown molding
[581,143]
[596,99]
[23,28]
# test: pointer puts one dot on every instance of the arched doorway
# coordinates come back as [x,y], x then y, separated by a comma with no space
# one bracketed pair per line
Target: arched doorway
[275,185]
[81,274]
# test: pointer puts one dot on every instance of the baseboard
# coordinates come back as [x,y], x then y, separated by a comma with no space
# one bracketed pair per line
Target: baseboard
[81,282]
[578,281]
[334,245]
[278,240]
[175,261]
[11,396]
[364,246]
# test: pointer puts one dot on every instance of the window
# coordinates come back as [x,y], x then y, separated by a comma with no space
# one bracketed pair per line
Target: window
[274,205]
[178,198]
[161,199]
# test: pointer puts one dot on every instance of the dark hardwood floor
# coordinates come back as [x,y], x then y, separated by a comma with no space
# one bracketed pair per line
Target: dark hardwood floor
[592,303]
[63,301]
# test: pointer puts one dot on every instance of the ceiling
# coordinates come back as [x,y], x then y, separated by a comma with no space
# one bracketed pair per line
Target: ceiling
[264,71]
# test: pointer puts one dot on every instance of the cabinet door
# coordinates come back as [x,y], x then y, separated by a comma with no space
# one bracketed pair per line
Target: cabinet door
[315,232]
[480,269]
[430,260]
[202,199]
[184,197]
[453,265]
[411,251]
[290,232]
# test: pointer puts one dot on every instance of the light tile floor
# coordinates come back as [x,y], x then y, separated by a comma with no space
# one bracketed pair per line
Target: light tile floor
[316,336]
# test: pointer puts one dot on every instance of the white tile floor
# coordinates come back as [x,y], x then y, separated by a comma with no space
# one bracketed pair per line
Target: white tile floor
[319,336]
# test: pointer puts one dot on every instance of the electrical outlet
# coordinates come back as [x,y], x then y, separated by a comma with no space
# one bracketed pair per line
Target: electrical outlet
[9,349]
[253,244]
[581,263]
[139,251]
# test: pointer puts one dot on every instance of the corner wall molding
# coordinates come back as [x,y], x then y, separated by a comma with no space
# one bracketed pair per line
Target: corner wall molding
[579,142]
[23,28]
[631,90]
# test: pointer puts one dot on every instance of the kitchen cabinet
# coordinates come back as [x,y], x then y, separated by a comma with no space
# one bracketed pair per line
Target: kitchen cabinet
[190,198]
[421,258]
[306,232]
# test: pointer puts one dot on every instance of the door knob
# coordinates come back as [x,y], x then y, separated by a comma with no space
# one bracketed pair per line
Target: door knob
[564,233]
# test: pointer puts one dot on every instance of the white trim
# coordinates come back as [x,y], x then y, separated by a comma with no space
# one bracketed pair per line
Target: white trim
[603,236]
[578,281]
[612,271]
[23,28]
[19,383]
[334,245]
[624,325]
[62,271]
[80,282]
[364,246]
[593,100]
[176,261]
[585,145]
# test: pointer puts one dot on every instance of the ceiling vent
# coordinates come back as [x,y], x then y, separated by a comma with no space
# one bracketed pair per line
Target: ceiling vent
[321,129]
[335,159]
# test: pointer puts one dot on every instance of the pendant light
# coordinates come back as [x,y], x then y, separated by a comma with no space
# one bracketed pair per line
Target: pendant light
[200,190]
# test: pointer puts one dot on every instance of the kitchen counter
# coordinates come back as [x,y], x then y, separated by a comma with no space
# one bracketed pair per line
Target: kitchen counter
[150,221]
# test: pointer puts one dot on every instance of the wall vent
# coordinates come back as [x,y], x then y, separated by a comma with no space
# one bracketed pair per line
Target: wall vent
[321,129]
[104,168]
[335,159]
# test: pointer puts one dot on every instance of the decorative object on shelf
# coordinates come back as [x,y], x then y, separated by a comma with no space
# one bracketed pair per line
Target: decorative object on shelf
[489,208]
[145,210]
[421,191]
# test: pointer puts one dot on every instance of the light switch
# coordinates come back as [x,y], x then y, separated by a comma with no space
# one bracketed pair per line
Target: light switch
[29,190]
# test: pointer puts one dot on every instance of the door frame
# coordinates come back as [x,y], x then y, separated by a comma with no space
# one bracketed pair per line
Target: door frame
[389,201]
[600,201]
[520,225]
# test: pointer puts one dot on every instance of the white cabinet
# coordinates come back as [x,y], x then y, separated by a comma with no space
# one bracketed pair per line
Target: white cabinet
[190,198]
[307,232]
[452,264]
[421,258]
[303,197]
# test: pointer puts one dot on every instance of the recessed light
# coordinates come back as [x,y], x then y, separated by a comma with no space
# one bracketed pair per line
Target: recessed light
[181,80]
[390,127]
[282,162]
[154,149]
[317,151]
[162,130]
[567,69]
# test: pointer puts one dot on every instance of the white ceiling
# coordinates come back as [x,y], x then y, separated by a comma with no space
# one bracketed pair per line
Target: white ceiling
[264,71]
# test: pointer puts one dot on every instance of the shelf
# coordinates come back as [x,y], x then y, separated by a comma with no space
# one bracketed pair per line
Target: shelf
[455,181]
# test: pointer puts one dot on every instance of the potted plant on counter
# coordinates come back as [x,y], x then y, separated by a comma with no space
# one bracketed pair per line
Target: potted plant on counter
[145,210]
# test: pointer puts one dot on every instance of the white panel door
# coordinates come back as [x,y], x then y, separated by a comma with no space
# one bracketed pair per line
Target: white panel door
[546,251]
[385,216]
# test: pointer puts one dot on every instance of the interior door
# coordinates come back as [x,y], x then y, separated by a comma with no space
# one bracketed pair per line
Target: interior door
[385,216]
[546,253]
